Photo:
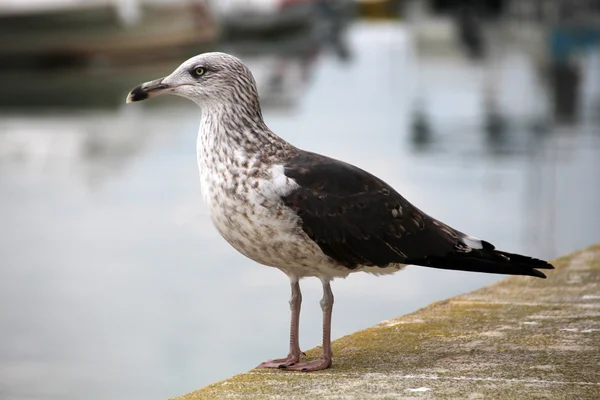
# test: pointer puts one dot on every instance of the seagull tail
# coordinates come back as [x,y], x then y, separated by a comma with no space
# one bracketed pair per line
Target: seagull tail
[489,260]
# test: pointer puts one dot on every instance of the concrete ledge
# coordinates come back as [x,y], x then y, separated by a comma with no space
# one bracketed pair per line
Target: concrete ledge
[521,338]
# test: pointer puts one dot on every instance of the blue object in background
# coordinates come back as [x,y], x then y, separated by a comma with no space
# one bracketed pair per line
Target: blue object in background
[564,41]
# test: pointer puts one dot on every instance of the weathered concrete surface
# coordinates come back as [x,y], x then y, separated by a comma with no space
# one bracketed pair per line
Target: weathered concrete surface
[521,338]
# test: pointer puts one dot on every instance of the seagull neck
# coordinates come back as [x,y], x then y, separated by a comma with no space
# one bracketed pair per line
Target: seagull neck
[237,128]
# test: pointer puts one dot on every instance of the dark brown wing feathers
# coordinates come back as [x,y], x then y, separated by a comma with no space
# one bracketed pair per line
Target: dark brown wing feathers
[357,219]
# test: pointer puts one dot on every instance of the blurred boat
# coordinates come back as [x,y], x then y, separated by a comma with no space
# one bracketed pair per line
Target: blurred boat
[57,33]
[263,16]
[88,53]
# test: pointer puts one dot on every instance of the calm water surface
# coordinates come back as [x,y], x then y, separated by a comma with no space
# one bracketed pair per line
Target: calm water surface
[113,283]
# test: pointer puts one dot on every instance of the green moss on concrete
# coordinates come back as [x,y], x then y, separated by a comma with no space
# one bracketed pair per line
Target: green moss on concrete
[518,338]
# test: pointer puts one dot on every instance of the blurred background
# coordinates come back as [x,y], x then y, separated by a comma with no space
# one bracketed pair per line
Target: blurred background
[113,283]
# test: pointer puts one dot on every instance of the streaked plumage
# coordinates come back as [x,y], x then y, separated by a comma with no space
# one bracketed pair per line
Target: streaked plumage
[303,213]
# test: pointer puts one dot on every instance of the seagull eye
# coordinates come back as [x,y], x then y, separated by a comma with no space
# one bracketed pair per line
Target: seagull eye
[199,71]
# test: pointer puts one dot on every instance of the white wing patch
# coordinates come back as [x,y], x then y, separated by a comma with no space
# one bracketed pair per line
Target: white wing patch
[281,184]
[472,242]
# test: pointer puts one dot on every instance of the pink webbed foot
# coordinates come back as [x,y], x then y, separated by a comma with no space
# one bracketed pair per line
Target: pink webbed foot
[310,366]
[281,362]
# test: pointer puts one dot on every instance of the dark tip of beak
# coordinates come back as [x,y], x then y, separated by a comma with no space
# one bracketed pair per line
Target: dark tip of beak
[137,94]
[146,90]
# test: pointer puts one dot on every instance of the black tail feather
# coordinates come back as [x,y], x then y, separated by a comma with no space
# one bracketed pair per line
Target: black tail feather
[487,260]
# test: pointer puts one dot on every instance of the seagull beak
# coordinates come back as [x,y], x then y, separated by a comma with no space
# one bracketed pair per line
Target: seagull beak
[147,90]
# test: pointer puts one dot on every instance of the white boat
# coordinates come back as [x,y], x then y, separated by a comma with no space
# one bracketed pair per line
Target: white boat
[264,15]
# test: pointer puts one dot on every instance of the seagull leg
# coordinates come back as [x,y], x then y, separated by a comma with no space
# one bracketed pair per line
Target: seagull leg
[294,354]
[326,357]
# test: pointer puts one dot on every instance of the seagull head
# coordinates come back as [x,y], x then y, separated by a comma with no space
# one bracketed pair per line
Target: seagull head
[209,78]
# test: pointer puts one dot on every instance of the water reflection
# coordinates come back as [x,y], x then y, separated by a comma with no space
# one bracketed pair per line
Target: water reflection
[113,284]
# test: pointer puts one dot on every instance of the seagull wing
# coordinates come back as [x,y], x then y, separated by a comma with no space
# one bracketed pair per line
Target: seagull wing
[358,219]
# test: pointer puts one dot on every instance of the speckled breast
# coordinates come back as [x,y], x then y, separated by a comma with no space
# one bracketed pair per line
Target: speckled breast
[266,232]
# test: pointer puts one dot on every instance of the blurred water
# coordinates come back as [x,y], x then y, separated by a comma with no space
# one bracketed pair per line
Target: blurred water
[113,283]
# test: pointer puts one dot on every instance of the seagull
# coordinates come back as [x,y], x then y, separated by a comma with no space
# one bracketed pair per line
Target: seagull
[303,213]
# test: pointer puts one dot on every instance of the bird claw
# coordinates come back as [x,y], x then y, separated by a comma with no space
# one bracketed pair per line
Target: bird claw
[281,363]
[310,366]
